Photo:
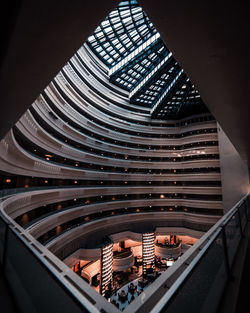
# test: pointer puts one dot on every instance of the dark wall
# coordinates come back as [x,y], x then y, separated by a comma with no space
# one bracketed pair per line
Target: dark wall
[210,40]
[39,38]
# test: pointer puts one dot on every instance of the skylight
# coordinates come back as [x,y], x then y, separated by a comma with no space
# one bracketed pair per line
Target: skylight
[139,61]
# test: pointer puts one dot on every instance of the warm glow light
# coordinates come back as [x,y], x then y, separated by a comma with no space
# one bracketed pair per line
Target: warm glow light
[58,229]
[46,182]
[162,196]
[148,251]
[106,267]
[8,180]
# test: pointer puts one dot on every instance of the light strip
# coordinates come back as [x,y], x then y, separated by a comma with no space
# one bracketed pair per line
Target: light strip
[106,267]
[148,250]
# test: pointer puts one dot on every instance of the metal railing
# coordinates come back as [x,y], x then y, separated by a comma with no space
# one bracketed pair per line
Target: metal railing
[203,271]
[195,283]
[38,280]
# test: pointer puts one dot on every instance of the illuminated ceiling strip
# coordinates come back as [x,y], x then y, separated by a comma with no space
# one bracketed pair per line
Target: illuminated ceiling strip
[143,82]
[166,91]
[134,53]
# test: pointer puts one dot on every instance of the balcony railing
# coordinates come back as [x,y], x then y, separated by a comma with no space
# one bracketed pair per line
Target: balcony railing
[197,281]
[41,283]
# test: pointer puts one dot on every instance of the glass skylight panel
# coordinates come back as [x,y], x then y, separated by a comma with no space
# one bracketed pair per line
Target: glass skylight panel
[124,18]
[139,61]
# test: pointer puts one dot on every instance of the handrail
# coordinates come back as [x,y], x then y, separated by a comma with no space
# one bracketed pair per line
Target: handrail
[210,237]
[75,290]
[58,283]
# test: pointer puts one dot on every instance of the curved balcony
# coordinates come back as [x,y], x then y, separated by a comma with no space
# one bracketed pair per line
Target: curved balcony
[123,260]
[168,251]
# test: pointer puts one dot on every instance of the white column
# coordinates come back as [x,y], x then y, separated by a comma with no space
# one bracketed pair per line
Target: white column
[148,251]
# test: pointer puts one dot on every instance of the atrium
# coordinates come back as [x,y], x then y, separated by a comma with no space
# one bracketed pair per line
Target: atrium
[115,176]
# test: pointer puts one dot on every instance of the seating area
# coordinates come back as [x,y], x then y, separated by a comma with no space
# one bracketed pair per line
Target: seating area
[124,296]
[130,284]
[168,244]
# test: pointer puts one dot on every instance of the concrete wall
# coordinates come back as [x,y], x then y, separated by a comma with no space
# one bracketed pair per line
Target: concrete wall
[234,172]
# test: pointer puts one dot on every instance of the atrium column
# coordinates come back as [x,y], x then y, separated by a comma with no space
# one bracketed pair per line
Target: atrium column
[148,251]
[106,268]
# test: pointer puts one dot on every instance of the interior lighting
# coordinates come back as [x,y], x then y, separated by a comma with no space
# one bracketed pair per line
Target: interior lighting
[148,251]
[106,267]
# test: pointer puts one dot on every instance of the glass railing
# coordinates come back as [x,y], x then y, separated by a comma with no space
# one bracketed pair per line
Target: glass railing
[204,271]
[41,283]
[38,281]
